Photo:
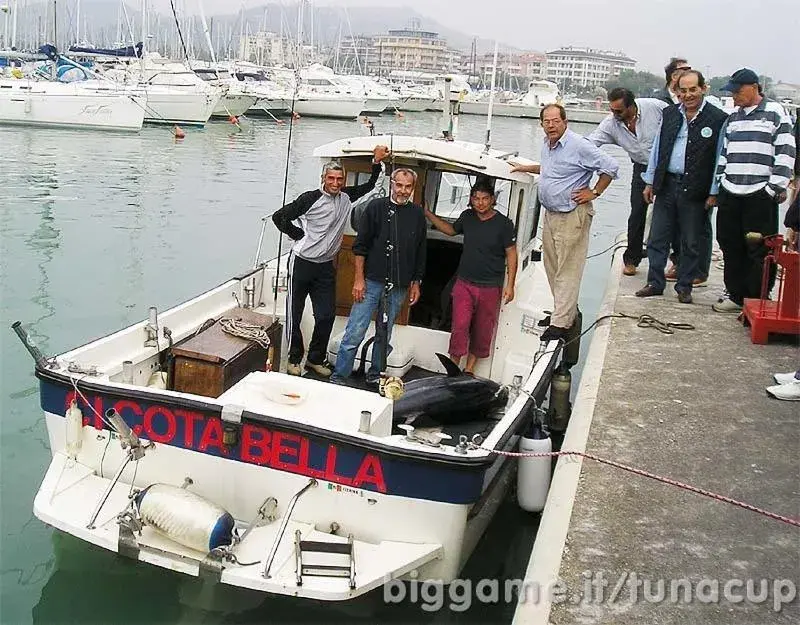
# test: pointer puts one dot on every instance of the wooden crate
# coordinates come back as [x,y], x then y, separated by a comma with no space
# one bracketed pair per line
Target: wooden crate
[212,361]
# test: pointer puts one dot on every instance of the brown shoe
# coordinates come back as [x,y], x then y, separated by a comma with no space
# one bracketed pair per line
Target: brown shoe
[671,274]
[648,290]
[629,270]
[700,282]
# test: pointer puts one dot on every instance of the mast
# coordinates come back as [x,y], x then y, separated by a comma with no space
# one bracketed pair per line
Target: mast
[207,34]
[144,27]
[78,22]
[300,35]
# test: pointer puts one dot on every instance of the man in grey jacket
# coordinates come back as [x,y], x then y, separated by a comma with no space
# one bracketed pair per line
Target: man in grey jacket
[322,215]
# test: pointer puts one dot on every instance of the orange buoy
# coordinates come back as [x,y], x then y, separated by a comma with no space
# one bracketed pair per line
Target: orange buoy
[295,115]
[179,134]
[233,119]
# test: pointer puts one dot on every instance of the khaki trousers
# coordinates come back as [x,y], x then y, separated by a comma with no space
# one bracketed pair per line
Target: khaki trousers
[565,242]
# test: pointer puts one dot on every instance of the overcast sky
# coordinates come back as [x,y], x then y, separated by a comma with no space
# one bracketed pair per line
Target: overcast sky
[719,36]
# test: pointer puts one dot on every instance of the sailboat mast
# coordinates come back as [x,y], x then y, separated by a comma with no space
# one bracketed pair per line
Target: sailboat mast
[78,22]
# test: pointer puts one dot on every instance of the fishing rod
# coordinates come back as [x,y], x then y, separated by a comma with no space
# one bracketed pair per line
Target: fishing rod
[382,319]
[283,201]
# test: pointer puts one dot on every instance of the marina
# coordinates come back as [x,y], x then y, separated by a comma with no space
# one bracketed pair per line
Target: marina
[144,225]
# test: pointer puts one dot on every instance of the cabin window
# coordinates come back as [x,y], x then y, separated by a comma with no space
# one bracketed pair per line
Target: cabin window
[531,220]
[453,196]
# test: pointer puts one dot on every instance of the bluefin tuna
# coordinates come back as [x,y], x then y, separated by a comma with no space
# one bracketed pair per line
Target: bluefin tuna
[456,397]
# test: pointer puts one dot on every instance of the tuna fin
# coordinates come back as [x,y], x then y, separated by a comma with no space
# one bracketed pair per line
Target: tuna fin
[449,366]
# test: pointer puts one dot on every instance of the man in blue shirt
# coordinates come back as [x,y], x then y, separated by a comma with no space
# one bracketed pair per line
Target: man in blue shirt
[679,174]
[633,126]
[567,165]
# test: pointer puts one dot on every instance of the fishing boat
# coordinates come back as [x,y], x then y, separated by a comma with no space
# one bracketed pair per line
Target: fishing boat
[178,442]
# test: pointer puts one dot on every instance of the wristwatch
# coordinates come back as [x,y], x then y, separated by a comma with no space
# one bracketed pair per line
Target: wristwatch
[595,193]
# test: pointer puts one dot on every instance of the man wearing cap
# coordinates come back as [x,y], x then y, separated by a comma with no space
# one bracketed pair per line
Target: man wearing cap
[322,215]
[754,168]
[679,173]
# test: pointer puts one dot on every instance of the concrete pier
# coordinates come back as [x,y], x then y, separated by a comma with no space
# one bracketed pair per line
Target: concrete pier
[615,547]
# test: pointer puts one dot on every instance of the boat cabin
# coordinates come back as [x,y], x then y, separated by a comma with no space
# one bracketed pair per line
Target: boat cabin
[445,173]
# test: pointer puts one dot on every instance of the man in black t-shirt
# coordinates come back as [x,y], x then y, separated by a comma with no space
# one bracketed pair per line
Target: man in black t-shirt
[489,246]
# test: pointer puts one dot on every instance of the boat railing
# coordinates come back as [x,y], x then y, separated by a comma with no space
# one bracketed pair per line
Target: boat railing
[282,529]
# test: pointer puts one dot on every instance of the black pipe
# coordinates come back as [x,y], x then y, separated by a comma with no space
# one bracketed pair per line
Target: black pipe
[41,361]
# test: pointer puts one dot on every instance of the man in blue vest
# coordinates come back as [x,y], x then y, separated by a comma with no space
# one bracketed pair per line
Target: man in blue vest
[679,174]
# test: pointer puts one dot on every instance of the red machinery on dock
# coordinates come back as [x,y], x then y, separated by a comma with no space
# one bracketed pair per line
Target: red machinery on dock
[782,315]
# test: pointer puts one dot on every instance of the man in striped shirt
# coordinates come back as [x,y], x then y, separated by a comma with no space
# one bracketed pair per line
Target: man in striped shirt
[753,172]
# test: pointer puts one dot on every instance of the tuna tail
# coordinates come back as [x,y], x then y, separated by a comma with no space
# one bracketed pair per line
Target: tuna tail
[449,366]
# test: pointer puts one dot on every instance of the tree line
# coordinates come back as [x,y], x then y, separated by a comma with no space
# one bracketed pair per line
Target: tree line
[646,84]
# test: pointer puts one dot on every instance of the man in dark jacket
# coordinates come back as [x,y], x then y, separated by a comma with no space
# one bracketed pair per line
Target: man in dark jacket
[322,215]
[396,224]
[672,71]
[679,174]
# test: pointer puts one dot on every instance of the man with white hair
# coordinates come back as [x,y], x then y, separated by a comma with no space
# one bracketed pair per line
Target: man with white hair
[322,215]
[389,251]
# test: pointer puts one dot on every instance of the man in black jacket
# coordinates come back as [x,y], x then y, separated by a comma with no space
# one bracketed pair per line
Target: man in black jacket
[322,215]
[680,173]
[387,223]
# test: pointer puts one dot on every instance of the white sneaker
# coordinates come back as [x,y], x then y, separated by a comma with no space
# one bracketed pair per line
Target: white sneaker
[789,392]
[784,378]
[726,306]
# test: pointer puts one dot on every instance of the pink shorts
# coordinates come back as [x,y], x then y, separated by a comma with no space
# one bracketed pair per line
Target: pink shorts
[475,312]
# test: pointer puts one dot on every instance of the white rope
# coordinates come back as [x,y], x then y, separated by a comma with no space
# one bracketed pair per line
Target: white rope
[249,331]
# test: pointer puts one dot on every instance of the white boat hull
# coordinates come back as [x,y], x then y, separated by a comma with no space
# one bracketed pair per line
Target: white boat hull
[234,104]
[341,108]
[414,104]
[375,106]
[167,105]
[66,106]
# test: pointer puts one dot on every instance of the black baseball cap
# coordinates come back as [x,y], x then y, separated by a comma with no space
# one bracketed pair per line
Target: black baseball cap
[741,77]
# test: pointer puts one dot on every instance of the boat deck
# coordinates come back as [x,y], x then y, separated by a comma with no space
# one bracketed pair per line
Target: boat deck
[690,406]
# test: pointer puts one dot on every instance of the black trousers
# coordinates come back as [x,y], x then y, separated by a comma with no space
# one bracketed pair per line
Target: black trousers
[744,260]
[317,280]
[637,218]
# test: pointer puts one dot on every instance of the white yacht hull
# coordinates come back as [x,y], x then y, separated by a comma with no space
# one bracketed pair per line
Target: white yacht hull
[415,104]
[59,105]
[274,106]
[376,106]
[166,105]
[234,104]
[342,108]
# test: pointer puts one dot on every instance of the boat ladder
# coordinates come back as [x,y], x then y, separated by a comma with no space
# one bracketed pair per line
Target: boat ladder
[324,570]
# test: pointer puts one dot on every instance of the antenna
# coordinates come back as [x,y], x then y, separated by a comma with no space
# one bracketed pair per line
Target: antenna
[491,103]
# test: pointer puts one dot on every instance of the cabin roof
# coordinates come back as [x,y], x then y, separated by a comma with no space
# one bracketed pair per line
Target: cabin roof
[458,155]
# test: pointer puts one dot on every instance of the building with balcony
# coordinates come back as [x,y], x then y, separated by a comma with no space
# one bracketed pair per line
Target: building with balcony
[570,67]
[414,49]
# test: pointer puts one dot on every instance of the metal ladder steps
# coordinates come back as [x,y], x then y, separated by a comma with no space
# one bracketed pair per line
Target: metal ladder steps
[325,547]
[347,570]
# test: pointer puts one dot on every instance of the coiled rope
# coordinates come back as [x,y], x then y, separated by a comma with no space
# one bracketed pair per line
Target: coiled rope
[242,329]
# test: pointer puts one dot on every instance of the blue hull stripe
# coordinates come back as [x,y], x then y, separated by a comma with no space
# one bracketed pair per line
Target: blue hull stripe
[347,465]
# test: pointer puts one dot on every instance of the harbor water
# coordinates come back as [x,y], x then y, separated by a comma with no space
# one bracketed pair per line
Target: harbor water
[97,227]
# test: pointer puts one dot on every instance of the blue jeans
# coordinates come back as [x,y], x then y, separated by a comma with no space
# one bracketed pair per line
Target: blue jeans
[356,330]
[674,211]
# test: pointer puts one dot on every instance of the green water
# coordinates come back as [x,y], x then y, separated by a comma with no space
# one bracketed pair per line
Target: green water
[96,227]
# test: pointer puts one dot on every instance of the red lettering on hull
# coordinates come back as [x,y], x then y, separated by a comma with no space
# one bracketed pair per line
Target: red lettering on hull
[282,451]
